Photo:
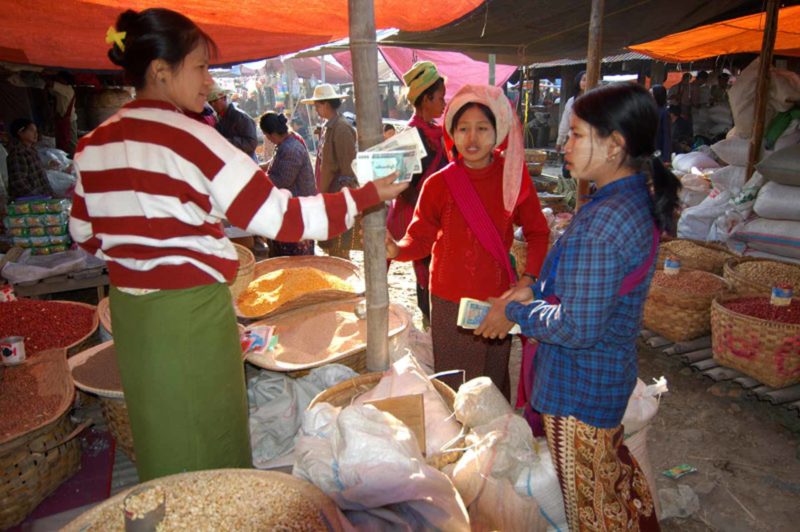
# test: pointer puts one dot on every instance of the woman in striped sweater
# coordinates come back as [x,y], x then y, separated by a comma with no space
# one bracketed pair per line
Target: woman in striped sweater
[153,187]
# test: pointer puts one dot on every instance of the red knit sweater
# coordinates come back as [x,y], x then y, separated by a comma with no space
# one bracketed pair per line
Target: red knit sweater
[461,267]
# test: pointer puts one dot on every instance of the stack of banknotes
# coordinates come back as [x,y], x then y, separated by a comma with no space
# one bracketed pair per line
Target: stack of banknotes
[402,153]
[472,312]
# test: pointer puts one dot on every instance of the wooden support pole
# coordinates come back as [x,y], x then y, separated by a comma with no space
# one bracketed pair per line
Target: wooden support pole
[593,57]
[762,88]
[492,63]
[364,52]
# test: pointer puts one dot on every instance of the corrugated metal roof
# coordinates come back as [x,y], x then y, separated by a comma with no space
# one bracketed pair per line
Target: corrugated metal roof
[629,56]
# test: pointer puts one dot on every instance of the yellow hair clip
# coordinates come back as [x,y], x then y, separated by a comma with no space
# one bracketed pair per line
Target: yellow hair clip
[116,37]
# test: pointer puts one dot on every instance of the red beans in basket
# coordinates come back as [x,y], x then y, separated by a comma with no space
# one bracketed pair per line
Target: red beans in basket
[760,307]
[45,324]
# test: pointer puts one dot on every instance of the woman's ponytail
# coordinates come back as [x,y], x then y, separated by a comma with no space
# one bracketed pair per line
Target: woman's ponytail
[665,195]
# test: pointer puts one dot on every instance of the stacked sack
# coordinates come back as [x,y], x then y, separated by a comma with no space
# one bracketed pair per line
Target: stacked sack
[39,224]
[730,201]
[774,232]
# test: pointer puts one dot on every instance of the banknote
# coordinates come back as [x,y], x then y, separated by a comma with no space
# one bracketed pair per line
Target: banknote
[407,139]
[472,312]
[369,166]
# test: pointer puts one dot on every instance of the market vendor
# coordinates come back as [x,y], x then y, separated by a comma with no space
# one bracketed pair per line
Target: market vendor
[425,90]
[335,154]
[26,174]
[153,186]
[586,311]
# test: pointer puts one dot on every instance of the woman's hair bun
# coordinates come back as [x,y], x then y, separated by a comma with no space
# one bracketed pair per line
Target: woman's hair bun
[125,23]
[282,119]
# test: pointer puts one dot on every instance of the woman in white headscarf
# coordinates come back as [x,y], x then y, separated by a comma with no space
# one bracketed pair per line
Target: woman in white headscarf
[465,219]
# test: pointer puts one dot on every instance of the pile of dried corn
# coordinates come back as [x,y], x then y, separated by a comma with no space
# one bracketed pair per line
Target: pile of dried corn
[270,291]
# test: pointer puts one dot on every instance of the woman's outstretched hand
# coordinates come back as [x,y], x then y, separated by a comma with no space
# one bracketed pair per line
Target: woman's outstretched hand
[387,188]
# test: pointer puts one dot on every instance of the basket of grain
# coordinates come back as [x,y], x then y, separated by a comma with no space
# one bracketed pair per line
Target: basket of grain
[38,449]
[757,338]
[244,274]
[678,307]
[695,255]
[95,371]
[344,393]
[222,499]
[48,324]
[325,333]
[286,283]
[749,276]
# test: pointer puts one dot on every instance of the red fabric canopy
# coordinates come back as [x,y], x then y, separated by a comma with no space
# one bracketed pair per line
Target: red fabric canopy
[743,34]
[71,33]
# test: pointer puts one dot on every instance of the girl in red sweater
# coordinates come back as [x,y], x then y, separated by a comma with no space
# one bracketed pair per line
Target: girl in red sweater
[465,220]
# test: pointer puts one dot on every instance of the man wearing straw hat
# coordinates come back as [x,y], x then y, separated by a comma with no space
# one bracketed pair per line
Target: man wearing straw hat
[335,156]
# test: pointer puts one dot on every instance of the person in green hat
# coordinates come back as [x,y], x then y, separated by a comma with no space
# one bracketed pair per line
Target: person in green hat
[425,90]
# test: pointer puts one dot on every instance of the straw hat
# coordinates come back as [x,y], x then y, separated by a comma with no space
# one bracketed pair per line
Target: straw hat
[324,91]
[216,93]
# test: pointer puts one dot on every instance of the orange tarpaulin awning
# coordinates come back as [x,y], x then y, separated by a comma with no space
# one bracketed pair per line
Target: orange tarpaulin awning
[71,33]
[733,36]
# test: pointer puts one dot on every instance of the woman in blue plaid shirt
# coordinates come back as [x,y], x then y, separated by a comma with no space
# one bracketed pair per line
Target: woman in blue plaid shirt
[586,309]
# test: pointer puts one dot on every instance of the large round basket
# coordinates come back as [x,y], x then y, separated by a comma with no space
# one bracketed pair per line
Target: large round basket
[695,254]
[341,268]
[345,392]
[112,400]
[225,499]
[244,274]
[757,276]
[768,351]
[320,334]
[681,315]
[34,463]
[104,315]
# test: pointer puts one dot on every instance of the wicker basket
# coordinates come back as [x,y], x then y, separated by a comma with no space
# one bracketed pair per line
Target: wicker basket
[35,463]
[680,316]
[244,274]
[757,283]
[765,350]
[519,250]
[292,354]
[345,392]
[115,412]
[695,255]
[267,497]
[535,156]
[104,314]
[344,269]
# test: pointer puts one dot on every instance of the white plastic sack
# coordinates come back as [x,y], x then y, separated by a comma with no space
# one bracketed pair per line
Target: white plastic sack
[738,211]
[784,86]
[695,222]
[637,445]
[513,448]
[34,267]
[694,189]
[762,254]
[369,463]
[780,237]
[778,202]
[729,178]
[277,403]
[493,503]
[733,150]
[684,162]
[538,479]
[55,159]
[406,377]
[642,405]
[479,401]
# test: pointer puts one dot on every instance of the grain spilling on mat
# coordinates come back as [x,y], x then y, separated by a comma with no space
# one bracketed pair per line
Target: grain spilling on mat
[697,283]
[772,273]
[226,502]
[100,371]
[760,307]
[45,324]
[271,290]
[25,406]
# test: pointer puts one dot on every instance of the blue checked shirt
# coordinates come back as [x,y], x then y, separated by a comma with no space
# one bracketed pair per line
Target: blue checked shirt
[586,362]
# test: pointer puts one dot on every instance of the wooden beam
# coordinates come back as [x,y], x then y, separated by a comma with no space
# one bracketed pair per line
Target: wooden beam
[762,88]
[593,57]
[364,52]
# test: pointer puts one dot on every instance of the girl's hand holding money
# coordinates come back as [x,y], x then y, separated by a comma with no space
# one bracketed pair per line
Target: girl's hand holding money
[496,325]
[392,250]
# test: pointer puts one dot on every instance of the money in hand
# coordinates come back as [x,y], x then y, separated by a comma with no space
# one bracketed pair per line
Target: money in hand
[472,312]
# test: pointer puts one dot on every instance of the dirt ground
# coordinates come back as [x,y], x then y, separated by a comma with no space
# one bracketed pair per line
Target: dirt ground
[746,452]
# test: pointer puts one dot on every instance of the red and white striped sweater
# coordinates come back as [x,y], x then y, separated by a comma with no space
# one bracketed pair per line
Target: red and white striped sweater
[154,185]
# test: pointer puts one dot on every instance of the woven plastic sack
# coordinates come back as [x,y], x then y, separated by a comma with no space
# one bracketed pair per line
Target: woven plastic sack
[778,202]
[642,405]
[538,479]
[479,401]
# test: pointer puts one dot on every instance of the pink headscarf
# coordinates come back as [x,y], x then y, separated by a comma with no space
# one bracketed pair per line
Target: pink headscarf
[509,133]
